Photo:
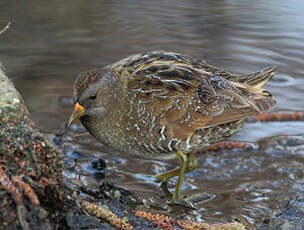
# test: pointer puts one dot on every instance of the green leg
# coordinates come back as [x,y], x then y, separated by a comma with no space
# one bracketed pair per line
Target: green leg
[187,164]
[183,160]
[192,164]
[165,176]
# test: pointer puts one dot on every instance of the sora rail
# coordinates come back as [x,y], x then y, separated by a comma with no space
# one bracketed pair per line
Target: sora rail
[159,103]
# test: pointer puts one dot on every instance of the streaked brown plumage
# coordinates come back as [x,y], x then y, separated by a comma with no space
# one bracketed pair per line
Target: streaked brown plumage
[158,103]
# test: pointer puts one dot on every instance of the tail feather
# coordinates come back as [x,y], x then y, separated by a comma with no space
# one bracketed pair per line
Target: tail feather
[259,79]
[262,99]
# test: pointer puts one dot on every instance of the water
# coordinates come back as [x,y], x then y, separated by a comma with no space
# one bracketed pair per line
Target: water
[50,43]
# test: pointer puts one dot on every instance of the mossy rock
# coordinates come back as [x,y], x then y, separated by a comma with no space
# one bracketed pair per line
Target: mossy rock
[32,195]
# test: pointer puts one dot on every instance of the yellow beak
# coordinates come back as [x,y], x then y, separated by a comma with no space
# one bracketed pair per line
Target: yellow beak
[77,113]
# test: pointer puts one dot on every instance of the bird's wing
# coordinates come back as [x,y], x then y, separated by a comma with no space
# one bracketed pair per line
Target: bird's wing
[187,98]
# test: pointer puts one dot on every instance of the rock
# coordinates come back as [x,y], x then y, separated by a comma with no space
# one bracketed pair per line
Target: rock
[32,194]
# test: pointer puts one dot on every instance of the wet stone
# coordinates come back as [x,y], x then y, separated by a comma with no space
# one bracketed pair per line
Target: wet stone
[99,164]
[108,190]
[98,176]
[85,222]
[291,216]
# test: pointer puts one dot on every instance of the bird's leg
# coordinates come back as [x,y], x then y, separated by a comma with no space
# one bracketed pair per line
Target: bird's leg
[188,163]
[192,163]
[183,160]
[165,176]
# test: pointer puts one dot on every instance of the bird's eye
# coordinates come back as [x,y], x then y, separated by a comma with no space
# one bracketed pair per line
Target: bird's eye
[93,97]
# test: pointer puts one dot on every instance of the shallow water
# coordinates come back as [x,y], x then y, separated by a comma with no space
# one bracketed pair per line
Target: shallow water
[50,43]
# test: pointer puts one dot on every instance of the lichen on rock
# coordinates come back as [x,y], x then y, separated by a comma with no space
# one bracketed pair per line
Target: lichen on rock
[10,97]
[31,187]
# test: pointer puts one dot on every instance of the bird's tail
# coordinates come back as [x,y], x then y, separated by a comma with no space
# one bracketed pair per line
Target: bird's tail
[259,78]
[262,99]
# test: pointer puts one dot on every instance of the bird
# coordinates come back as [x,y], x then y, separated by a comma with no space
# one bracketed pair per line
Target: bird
[161,104]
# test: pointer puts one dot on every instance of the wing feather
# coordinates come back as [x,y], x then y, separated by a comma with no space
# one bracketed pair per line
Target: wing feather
[178,92]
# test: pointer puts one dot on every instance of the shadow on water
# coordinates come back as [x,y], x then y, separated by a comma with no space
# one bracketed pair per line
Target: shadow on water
[49,44]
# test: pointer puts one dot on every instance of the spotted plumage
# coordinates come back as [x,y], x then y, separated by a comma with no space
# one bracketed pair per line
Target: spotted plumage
[156,103]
